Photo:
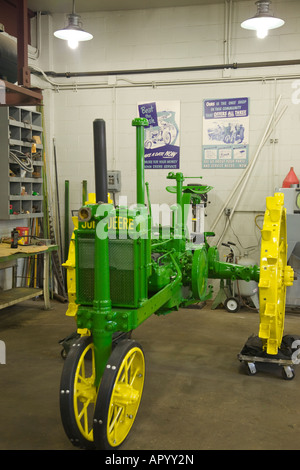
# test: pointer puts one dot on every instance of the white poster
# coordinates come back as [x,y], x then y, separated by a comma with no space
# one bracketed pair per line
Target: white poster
[225,133]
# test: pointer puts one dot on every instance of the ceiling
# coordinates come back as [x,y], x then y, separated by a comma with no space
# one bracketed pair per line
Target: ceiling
[65,6]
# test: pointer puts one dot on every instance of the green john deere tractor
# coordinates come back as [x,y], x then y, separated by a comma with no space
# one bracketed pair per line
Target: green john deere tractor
[121,271]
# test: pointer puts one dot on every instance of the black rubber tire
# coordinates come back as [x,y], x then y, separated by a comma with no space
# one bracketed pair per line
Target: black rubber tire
[291,376]
[67,392]
[232,305]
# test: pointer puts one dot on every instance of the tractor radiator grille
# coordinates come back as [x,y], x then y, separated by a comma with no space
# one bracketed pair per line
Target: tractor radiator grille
[121,263]
[85,269]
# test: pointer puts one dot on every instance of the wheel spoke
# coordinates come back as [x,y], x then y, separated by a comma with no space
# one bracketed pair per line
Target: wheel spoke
[85,395]
[85,380]
[134,376]
[126,369]
[113,426]
[84,409]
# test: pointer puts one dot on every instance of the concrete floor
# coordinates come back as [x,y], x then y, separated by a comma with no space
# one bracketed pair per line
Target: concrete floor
[197,395]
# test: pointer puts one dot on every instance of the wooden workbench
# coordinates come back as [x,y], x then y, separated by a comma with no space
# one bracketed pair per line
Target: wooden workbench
[17,294]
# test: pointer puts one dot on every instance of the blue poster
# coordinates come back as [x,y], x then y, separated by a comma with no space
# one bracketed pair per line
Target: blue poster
[225,133]
[162,148]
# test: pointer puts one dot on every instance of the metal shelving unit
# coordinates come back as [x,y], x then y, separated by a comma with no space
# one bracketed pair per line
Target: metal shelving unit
[21,191]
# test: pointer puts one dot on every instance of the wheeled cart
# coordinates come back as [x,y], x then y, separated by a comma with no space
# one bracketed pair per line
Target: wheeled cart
[288,372]
[253,353]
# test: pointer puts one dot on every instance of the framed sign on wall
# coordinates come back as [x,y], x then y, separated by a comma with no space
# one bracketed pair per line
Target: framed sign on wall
[162,136]
[225,133]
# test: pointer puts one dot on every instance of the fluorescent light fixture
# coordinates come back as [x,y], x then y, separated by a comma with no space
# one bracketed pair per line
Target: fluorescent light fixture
[73,32]
[263,20]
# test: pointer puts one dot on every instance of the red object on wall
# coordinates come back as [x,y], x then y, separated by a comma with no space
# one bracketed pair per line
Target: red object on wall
[290,179]
[8,17]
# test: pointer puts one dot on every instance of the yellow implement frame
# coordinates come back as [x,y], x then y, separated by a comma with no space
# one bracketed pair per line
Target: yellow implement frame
[275,275]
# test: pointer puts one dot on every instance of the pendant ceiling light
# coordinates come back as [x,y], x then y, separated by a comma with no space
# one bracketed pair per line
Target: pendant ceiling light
[263,20]
[73,32]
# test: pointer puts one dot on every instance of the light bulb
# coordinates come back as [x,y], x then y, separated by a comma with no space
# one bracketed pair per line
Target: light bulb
[263,21]
[261,33]
[73,33]
[73,43]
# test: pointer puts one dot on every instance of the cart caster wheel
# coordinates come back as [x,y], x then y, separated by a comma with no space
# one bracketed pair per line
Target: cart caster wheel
[251,368]
[119,395]
[232,305]
[288,373]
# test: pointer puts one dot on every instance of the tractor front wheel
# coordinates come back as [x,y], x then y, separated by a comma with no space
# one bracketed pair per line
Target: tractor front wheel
[119,395]
[78,393]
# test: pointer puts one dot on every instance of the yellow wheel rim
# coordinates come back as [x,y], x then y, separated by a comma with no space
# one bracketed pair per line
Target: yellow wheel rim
[275,275]
[85,393]
[125,397]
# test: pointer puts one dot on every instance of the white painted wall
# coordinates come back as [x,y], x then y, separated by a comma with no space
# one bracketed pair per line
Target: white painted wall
[173,37]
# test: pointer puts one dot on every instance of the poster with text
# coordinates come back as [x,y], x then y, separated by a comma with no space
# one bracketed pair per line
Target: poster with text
[162,136]
[225,133]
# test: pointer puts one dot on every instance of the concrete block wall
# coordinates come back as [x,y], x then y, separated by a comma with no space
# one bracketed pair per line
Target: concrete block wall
[174,37]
